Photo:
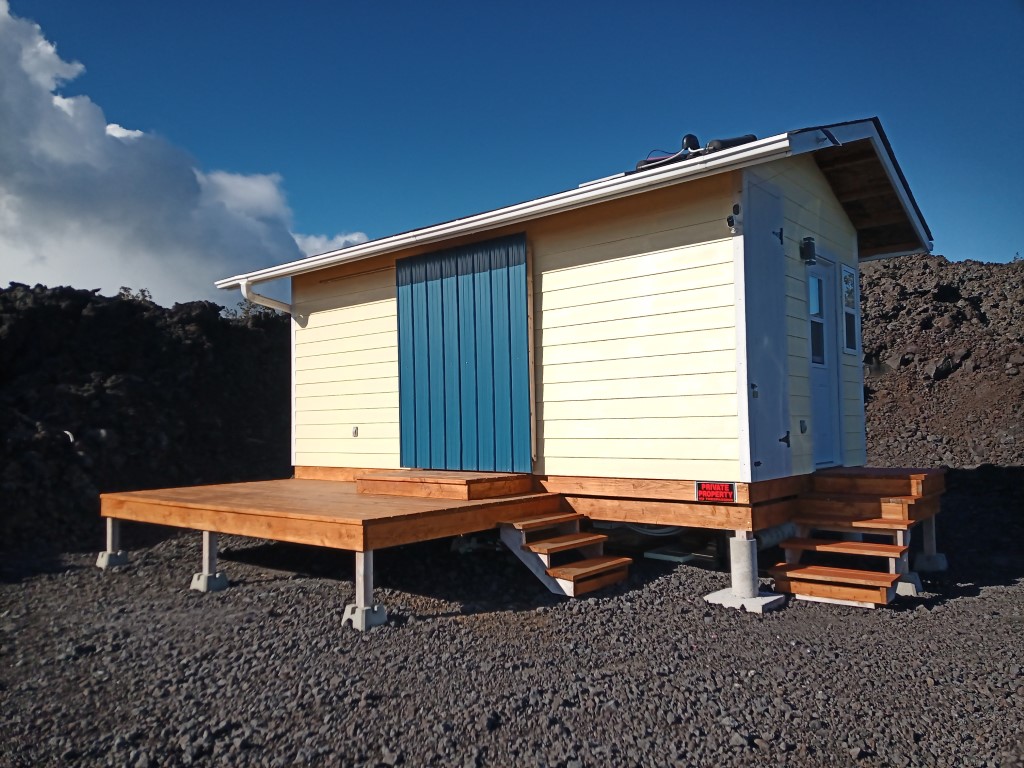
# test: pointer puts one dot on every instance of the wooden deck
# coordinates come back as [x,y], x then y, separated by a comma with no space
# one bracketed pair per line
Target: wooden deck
[325,513]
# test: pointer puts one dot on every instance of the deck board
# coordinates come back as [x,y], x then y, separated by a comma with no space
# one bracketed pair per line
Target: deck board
[322,512]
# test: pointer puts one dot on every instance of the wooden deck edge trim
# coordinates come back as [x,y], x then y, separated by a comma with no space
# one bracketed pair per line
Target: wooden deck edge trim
[323,532]
[112,501]
[644,511]
[688,514]
[442,523]
[444,477]
[339,474]
[670,490]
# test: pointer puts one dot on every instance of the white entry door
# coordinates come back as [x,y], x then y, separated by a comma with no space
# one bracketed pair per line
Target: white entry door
[821,314]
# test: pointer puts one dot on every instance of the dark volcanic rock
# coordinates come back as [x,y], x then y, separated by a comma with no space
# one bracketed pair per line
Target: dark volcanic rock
[104,394]
[949,335]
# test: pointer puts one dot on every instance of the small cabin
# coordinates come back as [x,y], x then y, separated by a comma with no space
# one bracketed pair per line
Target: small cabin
[694,320]
[678,344]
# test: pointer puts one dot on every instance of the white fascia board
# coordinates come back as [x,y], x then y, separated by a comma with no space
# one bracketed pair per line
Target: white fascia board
[810,141]
[754,153]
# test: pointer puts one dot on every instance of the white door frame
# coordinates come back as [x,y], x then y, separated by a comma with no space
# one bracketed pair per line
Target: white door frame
[829,268]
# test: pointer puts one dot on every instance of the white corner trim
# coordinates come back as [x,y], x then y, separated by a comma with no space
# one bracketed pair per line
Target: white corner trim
[740,302]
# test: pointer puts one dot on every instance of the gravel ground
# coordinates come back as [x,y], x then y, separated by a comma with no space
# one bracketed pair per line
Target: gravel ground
[480,666]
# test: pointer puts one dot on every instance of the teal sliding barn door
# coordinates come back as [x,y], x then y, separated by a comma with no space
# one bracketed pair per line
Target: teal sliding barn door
[463,358]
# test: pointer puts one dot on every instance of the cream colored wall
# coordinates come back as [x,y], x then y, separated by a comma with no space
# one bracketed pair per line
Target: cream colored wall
[635,337]
[811,210]
[345,368]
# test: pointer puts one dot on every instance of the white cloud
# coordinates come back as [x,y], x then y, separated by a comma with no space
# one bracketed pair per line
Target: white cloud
[312,245]
[93,204]
[120,132]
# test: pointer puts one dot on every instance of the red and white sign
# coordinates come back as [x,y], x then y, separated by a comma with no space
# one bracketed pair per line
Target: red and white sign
[723,493]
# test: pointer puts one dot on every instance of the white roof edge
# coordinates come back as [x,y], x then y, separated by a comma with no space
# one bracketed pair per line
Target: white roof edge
[754,153]
[815,138]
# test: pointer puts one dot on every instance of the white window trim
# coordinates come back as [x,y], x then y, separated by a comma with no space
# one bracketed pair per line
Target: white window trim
[847,270]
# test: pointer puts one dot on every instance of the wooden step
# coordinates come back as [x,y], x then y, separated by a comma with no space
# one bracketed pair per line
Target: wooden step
[591,574]
[848,504]
[543,521]
[565,542]
[826,574]
[837,585]
[862,524]
[880,481]
[864,597]
[866,548]
[585,569]
[443,484]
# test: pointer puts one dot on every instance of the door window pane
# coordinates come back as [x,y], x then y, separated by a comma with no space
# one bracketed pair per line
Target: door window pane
[817,342]
[814,296]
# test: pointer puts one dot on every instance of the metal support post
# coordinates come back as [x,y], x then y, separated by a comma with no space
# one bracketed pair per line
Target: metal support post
[364,614]
[113,555]
[209,579]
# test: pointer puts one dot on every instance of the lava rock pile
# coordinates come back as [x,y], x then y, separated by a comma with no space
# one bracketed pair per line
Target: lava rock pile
[944,352]
[105,393]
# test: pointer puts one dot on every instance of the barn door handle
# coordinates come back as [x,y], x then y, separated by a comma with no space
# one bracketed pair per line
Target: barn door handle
[785,439]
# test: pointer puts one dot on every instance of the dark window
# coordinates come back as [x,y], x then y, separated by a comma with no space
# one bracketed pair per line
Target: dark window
[851,331]
[817,342]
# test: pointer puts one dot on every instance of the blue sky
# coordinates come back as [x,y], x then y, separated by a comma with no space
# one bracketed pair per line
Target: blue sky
[374,118]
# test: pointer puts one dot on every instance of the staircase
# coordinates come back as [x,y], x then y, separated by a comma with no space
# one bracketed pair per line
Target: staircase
[853,503]
[536,529]
[568,561]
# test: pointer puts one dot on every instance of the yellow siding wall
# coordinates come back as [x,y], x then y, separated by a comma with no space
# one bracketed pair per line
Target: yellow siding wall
[345,346]
[811,210]
[635,337]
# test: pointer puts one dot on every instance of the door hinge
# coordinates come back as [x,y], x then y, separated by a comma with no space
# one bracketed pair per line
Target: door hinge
[778,235]
[785,439]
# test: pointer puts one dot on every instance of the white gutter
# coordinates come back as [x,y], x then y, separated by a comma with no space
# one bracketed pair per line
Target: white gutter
[756,152]
[264,301]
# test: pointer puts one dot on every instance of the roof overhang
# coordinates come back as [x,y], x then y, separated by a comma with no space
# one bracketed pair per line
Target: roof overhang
[858,163]
[849,154]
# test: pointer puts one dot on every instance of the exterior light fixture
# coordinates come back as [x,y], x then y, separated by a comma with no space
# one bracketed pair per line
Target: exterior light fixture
[807,253]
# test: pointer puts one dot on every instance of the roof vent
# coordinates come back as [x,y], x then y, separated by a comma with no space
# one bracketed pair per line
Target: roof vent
[691,148]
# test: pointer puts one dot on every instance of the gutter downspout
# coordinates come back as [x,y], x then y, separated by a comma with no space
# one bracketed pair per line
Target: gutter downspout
[264,301]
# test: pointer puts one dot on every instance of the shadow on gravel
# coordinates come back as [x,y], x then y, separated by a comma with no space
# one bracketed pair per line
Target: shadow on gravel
[300,559]
[16,569]
[17,565]
[980,530]
[477,573]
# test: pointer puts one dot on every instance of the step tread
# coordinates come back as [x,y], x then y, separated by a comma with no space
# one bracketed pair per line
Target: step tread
[592,566]
[834,575]
[856,498]
[886,472]
[854,523]
[543,521]
[835,593]
[564,542]
[868,548]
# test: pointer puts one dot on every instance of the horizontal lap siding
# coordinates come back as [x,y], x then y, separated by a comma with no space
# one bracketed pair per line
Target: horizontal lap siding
[345,370]
[811,210]
[635,338]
